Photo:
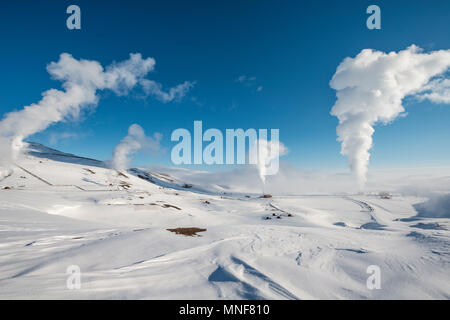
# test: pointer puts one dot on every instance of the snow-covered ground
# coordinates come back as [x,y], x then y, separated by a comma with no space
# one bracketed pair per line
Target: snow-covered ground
[60,210]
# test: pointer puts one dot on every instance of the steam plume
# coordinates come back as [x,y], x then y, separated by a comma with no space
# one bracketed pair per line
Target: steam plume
[81,80]
[134,141]
[268,157]
[370,89]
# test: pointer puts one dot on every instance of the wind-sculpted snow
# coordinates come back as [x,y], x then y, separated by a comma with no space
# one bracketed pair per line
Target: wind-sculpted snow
[113,226]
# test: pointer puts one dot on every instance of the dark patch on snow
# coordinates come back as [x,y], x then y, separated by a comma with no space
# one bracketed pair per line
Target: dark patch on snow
[372,226]
[352,250]
[170,206]
[416,235]
[190,232]
[431,225]
[410,219]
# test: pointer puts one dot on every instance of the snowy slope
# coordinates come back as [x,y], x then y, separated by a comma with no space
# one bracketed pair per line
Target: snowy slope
[59,210]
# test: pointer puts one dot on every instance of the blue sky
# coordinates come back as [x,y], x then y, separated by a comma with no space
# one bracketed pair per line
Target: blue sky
[291,48]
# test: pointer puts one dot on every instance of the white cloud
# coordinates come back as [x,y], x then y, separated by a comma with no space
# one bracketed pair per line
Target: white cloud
[246,80]
[55,137]
[124,75]
[176,93]
[437,91]
[370,89]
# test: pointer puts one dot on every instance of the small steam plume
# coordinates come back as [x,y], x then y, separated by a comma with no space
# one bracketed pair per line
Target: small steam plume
[268,157]
[134,141]
[370,89]
[437,206]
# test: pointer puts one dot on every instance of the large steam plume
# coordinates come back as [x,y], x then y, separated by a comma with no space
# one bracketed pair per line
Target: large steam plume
[134,141]
[81,80]
[370,89]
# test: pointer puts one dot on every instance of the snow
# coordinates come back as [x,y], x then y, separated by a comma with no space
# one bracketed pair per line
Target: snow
[63,210]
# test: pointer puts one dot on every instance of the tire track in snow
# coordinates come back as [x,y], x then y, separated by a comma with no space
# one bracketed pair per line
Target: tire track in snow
[374,225]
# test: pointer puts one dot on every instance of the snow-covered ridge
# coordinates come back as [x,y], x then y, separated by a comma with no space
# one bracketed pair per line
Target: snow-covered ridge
[58,210]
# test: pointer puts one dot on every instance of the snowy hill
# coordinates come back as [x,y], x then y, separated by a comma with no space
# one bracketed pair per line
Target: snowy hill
[58,210]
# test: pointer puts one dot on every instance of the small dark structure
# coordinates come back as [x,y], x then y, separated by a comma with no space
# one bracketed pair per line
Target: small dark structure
[385,195]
